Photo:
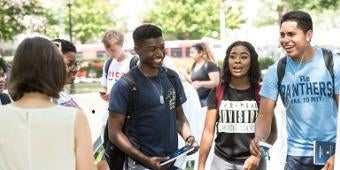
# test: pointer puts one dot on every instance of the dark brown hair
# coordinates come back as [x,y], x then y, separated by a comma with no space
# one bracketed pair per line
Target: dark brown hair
[38,66]
[303,20]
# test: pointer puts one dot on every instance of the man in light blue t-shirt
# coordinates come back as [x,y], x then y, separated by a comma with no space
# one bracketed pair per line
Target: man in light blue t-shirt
[308,95]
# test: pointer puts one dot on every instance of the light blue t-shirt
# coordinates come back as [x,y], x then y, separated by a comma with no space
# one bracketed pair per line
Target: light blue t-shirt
[311,110]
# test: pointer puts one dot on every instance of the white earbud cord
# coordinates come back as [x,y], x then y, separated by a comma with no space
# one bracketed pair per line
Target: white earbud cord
[295,71]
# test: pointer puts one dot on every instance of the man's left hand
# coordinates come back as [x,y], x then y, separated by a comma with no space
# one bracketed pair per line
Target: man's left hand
[192,142]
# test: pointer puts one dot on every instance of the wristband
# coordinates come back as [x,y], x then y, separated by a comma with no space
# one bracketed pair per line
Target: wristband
[190,136]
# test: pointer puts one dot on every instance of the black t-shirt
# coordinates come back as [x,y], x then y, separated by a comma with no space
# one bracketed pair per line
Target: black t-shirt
[236,122]
[202,74]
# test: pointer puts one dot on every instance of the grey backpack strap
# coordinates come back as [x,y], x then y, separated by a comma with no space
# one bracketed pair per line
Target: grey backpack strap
[328,58]
[133,92]
[107,66]
[134,61]
[281,69]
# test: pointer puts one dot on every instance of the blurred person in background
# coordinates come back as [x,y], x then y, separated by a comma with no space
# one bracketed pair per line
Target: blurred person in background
[205,73]
[4,98]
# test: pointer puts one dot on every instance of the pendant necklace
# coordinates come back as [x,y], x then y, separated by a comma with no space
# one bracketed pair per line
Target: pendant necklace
[161,97]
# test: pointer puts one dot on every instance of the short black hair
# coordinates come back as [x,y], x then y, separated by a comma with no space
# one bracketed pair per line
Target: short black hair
[38,66]
[3,65]
[66,46]
[146,31]
[254,71]
[303,20]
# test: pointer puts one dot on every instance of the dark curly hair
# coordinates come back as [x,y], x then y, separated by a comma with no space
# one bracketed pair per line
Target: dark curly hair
[254,71]
[66,46]
[146,31]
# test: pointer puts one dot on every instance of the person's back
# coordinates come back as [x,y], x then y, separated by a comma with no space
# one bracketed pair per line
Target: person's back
[35,132]
[41,138]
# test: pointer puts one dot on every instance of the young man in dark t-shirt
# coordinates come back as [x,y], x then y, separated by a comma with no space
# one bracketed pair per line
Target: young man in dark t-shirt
[152,133]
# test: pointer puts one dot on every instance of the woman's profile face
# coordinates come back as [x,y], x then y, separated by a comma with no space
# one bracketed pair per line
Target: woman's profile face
[239,61]
[194,53]
[71,66]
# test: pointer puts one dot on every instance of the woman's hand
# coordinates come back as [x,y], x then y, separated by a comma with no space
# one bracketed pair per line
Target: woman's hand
[251,163]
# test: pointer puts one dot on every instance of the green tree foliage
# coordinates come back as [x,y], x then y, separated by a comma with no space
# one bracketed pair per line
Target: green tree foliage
[192,19]
[265,63]
[272,10]
[14,16]
[90,19]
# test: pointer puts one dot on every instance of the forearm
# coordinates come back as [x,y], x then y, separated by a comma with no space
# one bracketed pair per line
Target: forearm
[264,120]
[263,127]
[209,84]
[273,132]
[205,146]
[183,127]
[124,144]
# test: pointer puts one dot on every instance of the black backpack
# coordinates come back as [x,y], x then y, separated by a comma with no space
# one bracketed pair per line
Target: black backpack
[281,68]
[114,156]
[133,62]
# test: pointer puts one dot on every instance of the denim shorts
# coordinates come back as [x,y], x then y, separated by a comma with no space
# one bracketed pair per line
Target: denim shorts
[301,163]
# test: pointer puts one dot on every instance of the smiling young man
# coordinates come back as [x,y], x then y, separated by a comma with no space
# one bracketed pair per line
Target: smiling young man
[307,90]
[152,133]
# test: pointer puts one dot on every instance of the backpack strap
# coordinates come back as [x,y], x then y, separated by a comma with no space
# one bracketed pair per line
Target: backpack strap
[219,91]
[132,105]
[134,61]
[171,74]
[257,94]
[281,69]
[133,92]
[107,65]
[219,94]
[328,58]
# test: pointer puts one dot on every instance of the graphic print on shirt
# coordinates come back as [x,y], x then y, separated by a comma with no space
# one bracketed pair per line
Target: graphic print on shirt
[114,75]
[171,97]
[306,91]
[237,116]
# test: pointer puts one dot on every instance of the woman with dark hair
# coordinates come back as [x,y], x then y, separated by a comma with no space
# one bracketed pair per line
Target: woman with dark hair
[233,108]
[205,73]
[35,132]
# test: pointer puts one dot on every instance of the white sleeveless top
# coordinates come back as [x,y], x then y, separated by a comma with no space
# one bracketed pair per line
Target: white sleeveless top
[37,139]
